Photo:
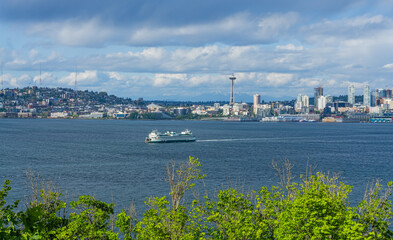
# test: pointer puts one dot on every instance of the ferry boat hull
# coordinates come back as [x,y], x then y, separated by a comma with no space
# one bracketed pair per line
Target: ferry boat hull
[168,137]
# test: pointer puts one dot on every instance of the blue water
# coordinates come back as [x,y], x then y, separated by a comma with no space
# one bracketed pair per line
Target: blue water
[109,159]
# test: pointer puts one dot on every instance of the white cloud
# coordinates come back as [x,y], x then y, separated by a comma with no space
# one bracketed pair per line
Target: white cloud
[46,79]
[162,79]
[33,53]
[86,78]
[308,82]
[276,24]
[21,81]
[278,79]
[239,28]
[388,66]
[346,84]
[290,47]
[75,33]
[116,76]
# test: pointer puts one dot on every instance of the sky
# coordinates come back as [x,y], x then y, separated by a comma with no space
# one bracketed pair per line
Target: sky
[186,50]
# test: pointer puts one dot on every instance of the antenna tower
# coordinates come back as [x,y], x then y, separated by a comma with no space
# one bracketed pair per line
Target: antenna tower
[2,78]
[232,101]
[40,75]
[76,77]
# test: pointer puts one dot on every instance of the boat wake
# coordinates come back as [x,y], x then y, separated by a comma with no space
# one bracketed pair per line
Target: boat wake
[232,139]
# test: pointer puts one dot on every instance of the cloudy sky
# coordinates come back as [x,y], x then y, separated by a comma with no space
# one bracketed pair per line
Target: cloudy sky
[186,50]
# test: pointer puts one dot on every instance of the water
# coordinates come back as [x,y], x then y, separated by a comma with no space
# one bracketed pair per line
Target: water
[109,159]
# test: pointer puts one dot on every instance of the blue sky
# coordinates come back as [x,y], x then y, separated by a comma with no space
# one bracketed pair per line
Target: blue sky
[186,50]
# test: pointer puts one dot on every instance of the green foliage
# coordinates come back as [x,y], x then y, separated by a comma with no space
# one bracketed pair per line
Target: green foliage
[43,214]
[375,211]
[161,222]
[233,215]
[91,220]
[9,219]
[182,179]
[41,218]
[125,224]
[165,221]
[316,207]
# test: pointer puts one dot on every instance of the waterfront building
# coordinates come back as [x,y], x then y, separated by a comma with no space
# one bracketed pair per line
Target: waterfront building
[388,103]
[154,107]
[216,106]
[180,111]
[59,114]
[298,103]
[322,101]
[376,110]
[381,93]
[329,99]
[240,109]
[373,98]
[257,102]
[302,103]
[311,116]
[226,110]
[366,96]
[351,94]
[389,93]
[120,114]
[317,93]
[305,101]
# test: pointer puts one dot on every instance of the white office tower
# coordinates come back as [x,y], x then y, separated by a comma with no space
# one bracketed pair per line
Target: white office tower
[302,103]
[299,103]
[351,94]
[257,101]
[329,99]
[366,96]
[305,101]
[216,106]
[322,101]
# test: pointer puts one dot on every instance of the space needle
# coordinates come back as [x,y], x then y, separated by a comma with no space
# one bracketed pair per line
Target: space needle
[232,101]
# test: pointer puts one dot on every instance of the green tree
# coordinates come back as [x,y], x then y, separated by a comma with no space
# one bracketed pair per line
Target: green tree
[172,221]
[90,219]
[233,215]
[375,212]
[317,208]
[45,212]
[9,219]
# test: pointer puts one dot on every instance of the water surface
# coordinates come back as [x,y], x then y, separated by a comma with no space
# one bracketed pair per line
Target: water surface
[109,159]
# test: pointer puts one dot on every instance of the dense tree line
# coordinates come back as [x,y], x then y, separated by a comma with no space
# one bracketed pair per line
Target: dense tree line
[316,207]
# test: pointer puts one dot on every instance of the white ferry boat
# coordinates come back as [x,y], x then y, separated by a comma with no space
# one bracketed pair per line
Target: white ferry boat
[157,137]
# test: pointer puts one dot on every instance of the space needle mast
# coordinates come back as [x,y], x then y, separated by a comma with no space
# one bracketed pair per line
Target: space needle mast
[232,78]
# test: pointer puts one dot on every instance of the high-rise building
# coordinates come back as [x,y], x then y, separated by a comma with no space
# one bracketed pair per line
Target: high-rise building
[298,103]
[322,101]
[257,102]
[366,96]
[351,94]
[374,97]
[329,99]
[389,93]
[305,101]
[302,103]
[317,93]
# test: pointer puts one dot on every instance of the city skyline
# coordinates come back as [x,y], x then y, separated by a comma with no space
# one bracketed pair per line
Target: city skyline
[186,51]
